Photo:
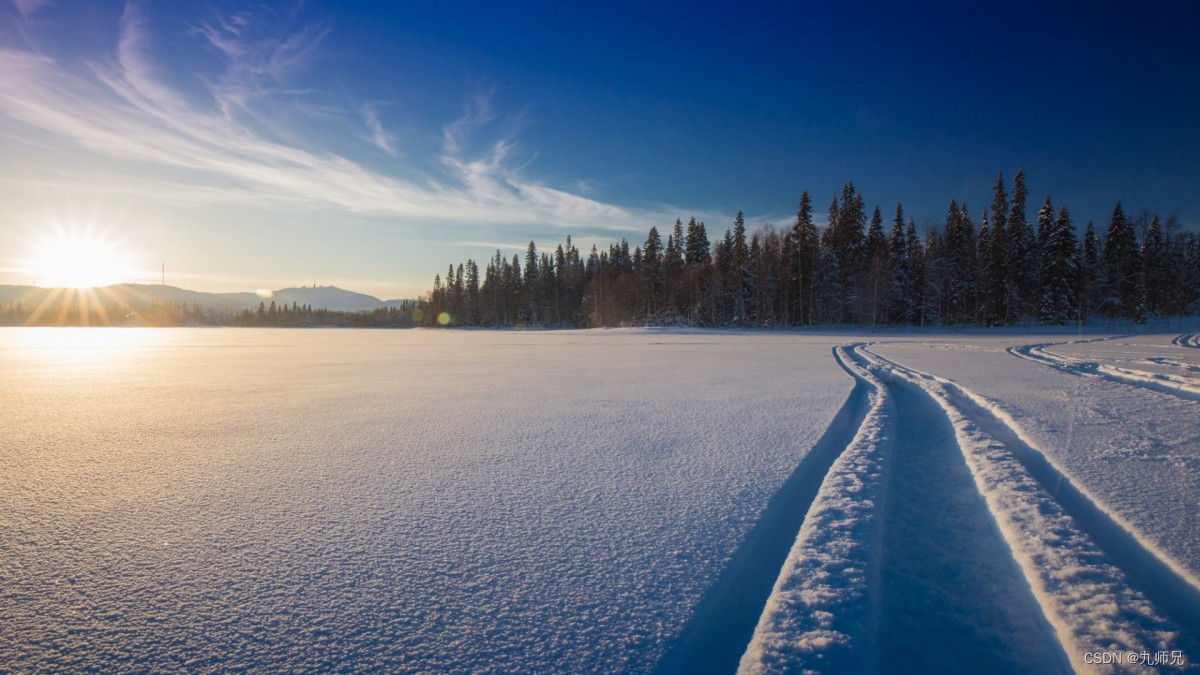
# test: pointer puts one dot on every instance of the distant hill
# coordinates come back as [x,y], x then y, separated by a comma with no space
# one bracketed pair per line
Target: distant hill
[319,297]
[324,297]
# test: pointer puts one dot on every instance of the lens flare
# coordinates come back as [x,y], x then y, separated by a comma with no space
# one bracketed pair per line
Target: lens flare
[77,260]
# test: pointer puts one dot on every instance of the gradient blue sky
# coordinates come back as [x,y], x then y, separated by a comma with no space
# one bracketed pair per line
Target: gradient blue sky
[370,144]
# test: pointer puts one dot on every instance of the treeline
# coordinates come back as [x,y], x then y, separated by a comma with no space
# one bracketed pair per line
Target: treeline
[78,309]
[1004,269]
[302,316]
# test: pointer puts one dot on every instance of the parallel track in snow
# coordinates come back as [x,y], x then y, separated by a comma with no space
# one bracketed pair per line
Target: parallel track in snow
[1189,340]
[723,622]
[946,567]
[1064,538]
[943,538]
[822,613]
[900,546]
[1176,385]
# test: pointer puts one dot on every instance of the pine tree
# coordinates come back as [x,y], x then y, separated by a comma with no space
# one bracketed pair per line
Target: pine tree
[879,271]
[1122,263]
[697,248]
[673,268]
[1156,269]
[959,253]
[916,261]
[472,314]
[806,244]
[1059,269]
[652,271]
[937,278]
[1022,275]
[1045,228]
[995,259]
[740,269]
[901,289]
[1090,273]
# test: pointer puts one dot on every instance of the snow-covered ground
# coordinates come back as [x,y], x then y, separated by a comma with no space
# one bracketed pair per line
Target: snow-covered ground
[412,500]
[634,500]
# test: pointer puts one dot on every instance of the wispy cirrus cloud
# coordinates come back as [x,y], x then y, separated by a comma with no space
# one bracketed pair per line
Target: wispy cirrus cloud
[381,138]
[28,8]
[122,106]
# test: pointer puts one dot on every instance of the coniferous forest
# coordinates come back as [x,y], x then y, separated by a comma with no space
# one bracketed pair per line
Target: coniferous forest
[1013,263]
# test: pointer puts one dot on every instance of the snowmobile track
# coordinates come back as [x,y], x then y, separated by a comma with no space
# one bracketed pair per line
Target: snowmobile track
[716,636]
[1189,340]
[946,568]
[1162,581]
[1175,385]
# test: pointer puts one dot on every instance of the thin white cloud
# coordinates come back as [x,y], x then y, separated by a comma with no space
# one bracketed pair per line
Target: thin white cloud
[28,8]
[478,112]
[122,108]
[493,245]
[382,139]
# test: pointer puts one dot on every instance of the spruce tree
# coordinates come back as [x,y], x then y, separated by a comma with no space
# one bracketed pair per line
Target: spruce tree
[995,259]
[740,268]
[806,245]
[1059,269]
[697,248]
[1090,273]
[652,271]
[916,261]
[901,290]
[1155,267]
[1022,274]
[879,271]
[1123,287]
[472,313]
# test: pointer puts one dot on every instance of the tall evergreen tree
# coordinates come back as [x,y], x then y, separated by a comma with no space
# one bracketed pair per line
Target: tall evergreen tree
[879,271]
[1156,268]
[1022,273]
[995,259]
[473,302]
[806,246]
[742,280]
[1122,262]
[916,261]
[697,251]
[1059,270]
[1091,276]
[901,289]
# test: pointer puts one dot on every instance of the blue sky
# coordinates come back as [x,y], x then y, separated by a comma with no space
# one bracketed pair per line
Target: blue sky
[370,144]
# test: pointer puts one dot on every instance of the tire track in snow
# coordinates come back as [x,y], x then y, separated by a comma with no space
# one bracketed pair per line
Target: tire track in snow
[715,638]
[1180,365]
[1078,557]
[1175,385]
[1189,340]
[822,612]
[899,547]
[947,570]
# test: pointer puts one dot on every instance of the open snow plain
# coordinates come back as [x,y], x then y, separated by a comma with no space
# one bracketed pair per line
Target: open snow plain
[415,500]
[609,500]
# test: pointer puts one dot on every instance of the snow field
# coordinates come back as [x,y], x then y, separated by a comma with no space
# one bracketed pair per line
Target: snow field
[594,500]
[401,500]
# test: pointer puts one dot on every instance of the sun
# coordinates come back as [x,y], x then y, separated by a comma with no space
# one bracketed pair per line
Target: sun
[78,260]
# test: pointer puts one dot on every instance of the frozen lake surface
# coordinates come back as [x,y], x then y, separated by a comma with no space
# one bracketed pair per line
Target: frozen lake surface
[603,500]
[401,499]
